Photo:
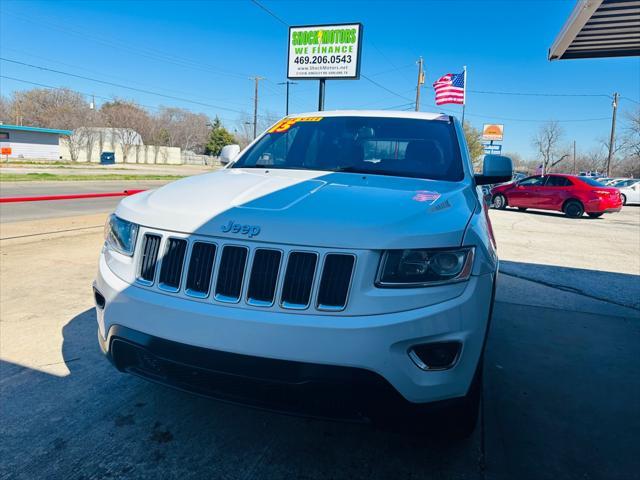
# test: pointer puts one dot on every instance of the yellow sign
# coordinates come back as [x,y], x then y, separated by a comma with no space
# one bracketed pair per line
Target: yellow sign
[492,131]
[287,123]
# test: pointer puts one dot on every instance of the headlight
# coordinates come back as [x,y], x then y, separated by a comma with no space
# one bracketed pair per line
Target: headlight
[120,235]
[423,267]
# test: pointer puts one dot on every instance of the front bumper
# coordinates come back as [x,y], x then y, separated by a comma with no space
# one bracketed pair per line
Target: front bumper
[371,350]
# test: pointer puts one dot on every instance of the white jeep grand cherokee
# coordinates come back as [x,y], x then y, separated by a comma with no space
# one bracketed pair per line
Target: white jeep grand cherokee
[341,266]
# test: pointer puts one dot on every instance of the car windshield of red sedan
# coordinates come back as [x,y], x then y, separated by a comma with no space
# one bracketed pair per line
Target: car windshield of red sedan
[591,181]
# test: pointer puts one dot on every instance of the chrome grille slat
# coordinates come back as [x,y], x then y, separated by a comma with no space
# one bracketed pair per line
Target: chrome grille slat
[335,281]
[298,280]
[231,273]
[200,269]
[263,278]
[150,249]
[171,265]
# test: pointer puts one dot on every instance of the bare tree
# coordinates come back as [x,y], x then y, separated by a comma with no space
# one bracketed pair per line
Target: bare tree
[632,134]
[548,143]
[516,158]
[50,108]
[5,110]
[244,131]
[125,119]
[474,143]
[184,129]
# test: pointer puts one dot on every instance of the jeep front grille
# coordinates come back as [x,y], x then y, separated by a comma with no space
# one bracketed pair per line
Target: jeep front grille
[298,279]
[263,278]
[171,270]
[258,276]
[150,248]
[200,268]
[335,281]
[231,273]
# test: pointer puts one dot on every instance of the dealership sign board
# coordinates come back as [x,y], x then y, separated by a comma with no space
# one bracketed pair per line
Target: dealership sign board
[325,51]
[492,131]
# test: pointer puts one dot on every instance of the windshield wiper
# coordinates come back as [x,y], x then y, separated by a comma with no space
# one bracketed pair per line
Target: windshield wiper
[350,169]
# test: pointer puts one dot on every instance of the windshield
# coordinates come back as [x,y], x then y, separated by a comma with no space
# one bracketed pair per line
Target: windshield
[591,181]
[371,145]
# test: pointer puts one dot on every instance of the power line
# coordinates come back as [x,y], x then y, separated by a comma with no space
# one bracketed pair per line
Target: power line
[28,54]
[143,52]
[119,85]
[111,99]
[383,87]
[258,4]
[538,94]
[631,100]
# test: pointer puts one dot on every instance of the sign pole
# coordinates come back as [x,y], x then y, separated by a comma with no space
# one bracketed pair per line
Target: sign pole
[321,95]
[464,92]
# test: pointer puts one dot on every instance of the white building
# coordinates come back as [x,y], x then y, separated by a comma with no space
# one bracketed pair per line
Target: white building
[32,142]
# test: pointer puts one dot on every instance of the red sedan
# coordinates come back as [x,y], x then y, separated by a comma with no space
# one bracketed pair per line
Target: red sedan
[565,193]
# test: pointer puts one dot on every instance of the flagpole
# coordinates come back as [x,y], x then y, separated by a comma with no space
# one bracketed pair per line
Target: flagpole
[464,92]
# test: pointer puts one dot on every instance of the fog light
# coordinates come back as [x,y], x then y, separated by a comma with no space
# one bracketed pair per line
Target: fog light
[100,301]
[435,356]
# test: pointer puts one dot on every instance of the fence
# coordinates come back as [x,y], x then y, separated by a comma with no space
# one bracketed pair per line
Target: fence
[190,158]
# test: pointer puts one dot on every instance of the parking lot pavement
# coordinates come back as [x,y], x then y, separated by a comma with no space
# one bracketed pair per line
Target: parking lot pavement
[560,401]
[599,258]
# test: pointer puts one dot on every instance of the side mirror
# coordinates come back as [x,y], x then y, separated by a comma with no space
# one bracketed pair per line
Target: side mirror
[495,169]
[229,153]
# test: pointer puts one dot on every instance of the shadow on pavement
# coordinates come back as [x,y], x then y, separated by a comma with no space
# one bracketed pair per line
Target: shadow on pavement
[99,423]
[622,289]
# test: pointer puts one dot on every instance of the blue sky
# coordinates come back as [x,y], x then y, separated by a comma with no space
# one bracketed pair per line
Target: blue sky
[205,52]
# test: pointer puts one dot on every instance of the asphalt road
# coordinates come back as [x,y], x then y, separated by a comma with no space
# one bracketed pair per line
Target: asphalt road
[14,212]
[561,397]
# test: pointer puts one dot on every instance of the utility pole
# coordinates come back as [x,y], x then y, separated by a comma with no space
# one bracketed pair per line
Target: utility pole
[420,82]
[574,157]
[612,139]
[287,83]
[255,106]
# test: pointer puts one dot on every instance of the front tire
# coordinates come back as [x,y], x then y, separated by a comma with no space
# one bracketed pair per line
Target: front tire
[595,215]
[573,209]
[500,202]
[624,198]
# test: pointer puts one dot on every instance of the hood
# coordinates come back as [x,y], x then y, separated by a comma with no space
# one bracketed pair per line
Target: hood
[311,208]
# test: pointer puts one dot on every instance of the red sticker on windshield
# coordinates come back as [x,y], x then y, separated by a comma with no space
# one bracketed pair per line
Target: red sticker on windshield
[426,196]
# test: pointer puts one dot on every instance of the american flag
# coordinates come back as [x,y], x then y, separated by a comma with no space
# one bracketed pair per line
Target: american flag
[450,89]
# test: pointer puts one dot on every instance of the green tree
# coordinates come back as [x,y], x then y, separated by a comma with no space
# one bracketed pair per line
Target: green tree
[218,138]
[474,142]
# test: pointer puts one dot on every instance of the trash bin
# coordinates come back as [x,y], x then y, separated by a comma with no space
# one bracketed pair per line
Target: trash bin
[107,158]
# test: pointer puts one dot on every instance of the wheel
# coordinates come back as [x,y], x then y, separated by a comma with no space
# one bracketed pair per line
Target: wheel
[573,209]
[522,209]
[624,198]
[595,215]
[500,202]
